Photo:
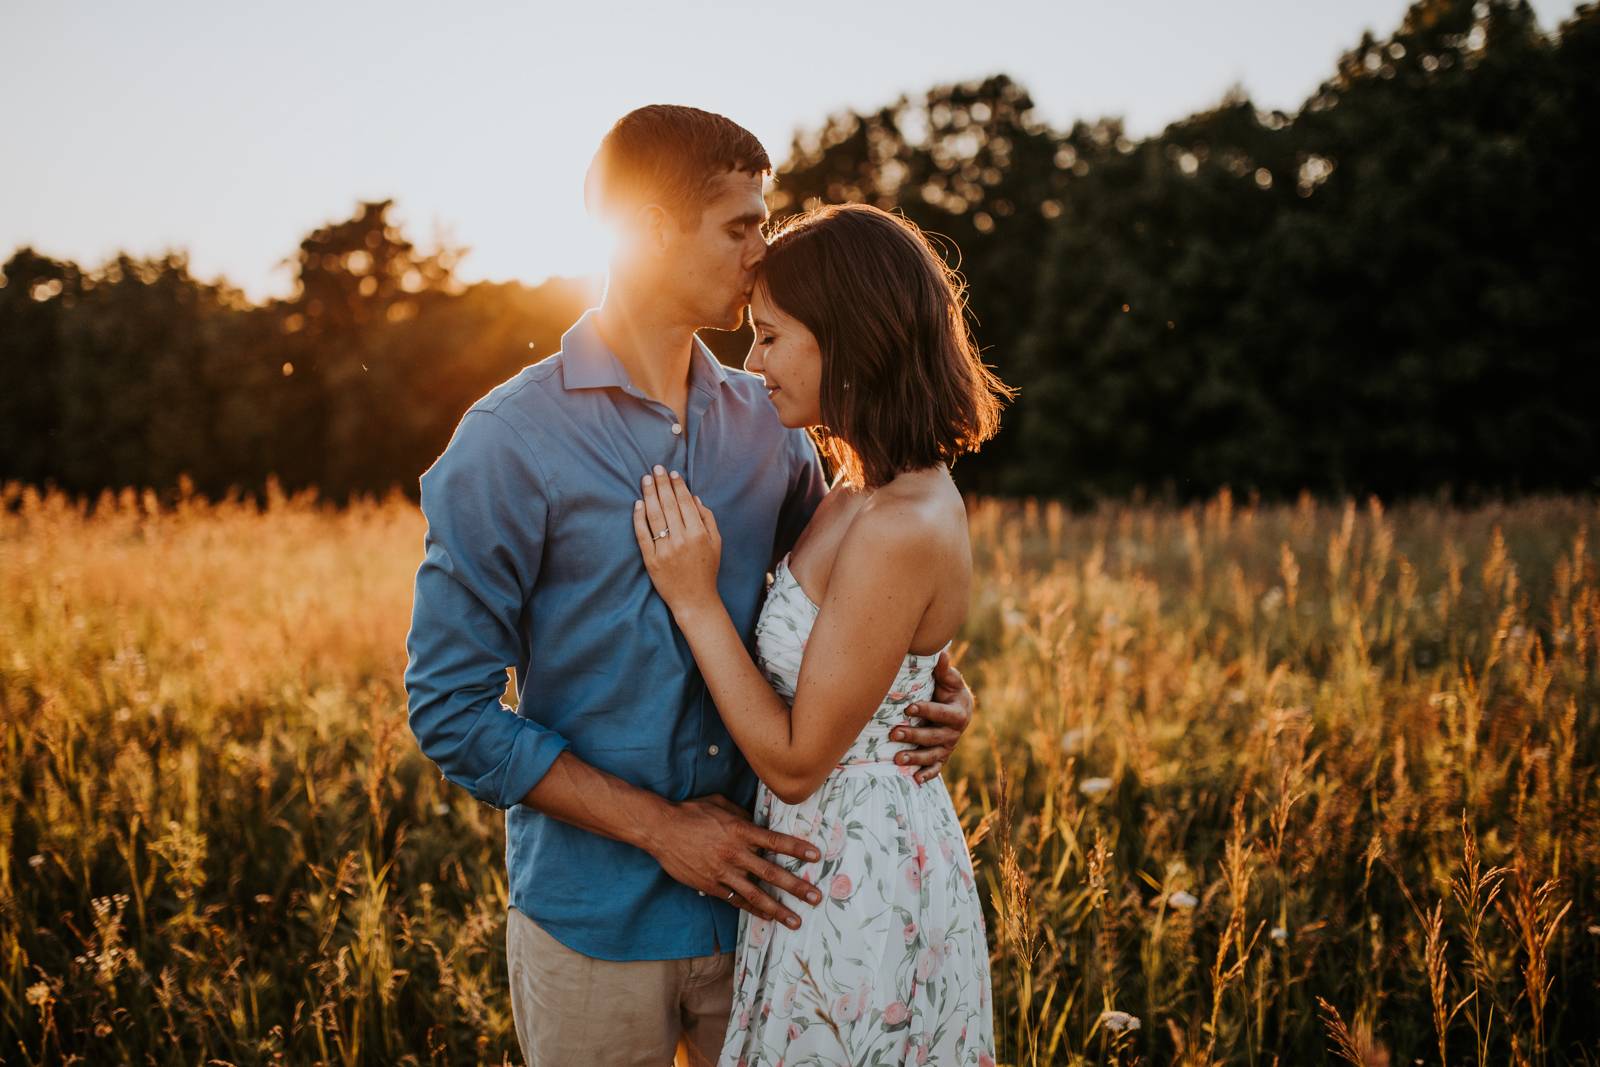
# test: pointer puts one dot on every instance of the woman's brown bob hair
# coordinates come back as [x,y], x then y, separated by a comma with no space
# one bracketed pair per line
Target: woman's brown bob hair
[902,385]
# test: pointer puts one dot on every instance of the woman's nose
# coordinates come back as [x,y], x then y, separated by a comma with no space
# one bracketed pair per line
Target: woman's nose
[752,360]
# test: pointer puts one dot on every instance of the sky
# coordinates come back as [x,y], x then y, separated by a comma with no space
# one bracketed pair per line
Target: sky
[231,131]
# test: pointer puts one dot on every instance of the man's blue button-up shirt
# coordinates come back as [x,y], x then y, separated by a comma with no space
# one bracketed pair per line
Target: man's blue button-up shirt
[531,562]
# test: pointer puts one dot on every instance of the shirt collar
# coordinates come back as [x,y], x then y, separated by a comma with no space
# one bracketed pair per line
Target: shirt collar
[587,363]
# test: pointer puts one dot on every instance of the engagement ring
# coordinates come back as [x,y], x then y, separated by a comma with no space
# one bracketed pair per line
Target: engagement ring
[660,535]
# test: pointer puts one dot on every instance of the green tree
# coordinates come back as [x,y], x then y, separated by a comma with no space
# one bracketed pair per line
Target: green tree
[973,166]
[342,386]
[35,291]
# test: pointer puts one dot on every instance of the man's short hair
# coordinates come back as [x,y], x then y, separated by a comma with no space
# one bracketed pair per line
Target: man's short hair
[669,155]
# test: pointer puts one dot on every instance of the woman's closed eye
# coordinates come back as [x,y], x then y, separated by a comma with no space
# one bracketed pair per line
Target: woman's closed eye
[765,339]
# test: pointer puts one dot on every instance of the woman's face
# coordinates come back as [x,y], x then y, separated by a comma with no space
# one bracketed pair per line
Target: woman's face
[787,357]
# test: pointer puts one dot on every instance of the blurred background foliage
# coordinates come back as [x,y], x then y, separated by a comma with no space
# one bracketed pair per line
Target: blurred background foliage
[1383,292]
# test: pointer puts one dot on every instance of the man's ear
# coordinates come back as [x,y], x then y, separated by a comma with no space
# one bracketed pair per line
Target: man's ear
[656,226]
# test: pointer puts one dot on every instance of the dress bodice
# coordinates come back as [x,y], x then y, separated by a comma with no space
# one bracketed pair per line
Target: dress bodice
[781,634]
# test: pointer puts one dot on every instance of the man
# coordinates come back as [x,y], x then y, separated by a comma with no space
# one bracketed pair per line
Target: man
[629,843]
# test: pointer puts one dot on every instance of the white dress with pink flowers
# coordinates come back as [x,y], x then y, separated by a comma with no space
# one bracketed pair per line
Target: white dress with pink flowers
[892,967]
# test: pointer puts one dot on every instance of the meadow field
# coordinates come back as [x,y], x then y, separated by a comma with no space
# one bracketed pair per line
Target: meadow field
[1265,785]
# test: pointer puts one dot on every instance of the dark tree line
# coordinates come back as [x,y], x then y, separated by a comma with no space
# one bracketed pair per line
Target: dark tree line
[138,373]
[1390,290]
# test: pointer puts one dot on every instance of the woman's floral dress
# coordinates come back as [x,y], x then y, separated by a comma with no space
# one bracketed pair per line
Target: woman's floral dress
[892,967]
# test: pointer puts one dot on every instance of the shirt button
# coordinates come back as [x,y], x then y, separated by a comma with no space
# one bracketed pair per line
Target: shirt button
[677,428]
[713,750]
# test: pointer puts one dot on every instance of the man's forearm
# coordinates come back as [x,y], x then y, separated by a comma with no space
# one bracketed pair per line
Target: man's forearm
[601,803]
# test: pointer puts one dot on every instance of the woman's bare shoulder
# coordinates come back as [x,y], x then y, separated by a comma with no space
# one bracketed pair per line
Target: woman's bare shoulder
[919,514]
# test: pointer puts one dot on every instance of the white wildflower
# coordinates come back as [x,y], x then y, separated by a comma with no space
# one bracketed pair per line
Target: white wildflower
[441,808]
[36,861]
[1119,1021]
[1094,787]
[1182,900]
[1272,599]
[1074,741]
[1279,934]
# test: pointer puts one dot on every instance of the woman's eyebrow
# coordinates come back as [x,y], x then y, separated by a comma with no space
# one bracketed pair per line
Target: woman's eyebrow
[761,324]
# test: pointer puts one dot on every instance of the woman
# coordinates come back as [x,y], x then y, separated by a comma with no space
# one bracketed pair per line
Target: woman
[860,329]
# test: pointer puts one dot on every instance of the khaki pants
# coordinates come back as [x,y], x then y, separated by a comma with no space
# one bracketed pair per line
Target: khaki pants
[570,1009]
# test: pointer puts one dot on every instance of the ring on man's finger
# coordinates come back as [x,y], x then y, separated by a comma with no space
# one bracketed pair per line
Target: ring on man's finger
[730,896]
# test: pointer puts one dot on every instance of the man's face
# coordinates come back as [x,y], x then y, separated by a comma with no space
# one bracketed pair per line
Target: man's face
[713,266]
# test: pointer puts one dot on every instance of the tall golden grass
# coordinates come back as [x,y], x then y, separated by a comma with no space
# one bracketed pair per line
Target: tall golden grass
[1256,785]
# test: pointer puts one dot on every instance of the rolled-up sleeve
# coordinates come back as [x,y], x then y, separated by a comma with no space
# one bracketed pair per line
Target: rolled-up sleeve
[487,504]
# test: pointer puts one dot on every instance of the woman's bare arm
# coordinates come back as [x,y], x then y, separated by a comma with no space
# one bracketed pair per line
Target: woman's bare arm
[876,598]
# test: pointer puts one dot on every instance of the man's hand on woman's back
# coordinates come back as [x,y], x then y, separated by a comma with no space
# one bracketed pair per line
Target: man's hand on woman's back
[950,712]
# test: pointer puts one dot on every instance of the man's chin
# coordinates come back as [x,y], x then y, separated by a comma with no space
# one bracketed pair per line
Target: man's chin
[729,322]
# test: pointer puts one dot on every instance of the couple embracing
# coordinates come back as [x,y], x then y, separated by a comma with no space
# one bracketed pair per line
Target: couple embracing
[726,834]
